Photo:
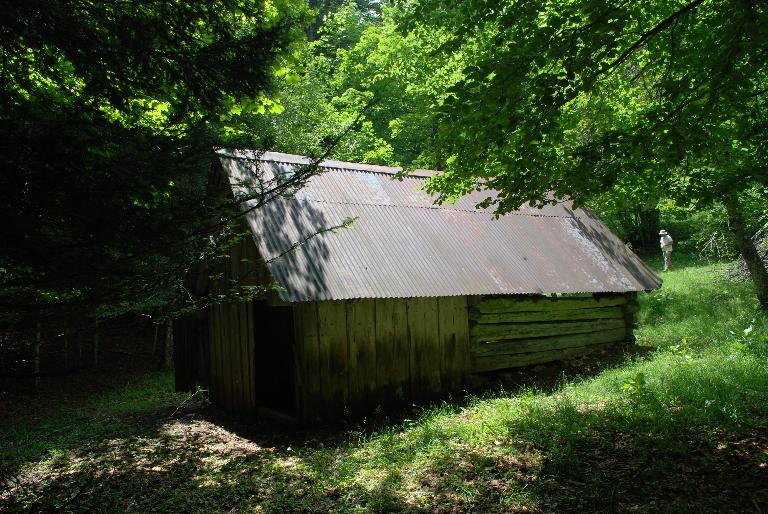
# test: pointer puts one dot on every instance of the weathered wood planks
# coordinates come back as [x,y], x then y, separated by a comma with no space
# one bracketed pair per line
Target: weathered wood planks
[503,331]
[453,330]
[546,315]
[518,331]
[543,303]
[361,353]
[333,353]
[497,362]
[517,346]
[231,342]
[392,349]
[425,352]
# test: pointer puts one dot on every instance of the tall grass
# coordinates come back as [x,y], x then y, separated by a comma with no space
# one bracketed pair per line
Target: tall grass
[697,303]
[680,429]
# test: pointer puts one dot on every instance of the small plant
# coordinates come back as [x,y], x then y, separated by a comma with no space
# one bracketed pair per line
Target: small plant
[749,340]
[683,350]
[637,386]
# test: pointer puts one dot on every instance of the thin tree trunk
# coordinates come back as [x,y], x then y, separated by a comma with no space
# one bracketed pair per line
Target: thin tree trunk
[36,350]
[168,357]
[755,264]
[2,354]
[154,340]
[66,352]
[96,347]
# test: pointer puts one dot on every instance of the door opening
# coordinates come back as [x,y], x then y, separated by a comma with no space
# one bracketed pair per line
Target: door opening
[273,338]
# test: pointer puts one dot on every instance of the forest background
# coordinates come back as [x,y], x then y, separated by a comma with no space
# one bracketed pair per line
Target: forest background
[650,113]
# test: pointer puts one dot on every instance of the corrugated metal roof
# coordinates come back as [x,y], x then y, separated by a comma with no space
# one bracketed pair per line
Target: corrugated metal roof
[403,245]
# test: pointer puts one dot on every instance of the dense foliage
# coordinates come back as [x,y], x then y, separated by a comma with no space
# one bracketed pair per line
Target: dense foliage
[573,99]
[108,116]
[649,112]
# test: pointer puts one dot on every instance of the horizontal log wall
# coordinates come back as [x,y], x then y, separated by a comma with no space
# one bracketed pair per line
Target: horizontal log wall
[356,354]
[509,332]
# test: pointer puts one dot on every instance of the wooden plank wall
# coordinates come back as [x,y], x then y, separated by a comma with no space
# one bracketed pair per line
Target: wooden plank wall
[507,332]
[231,335]
[353,355]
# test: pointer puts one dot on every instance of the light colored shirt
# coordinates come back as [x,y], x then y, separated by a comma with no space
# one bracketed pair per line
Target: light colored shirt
[666,243]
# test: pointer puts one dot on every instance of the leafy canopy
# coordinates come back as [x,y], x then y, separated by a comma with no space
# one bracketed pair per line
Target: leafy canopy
[580,97]
[108,116]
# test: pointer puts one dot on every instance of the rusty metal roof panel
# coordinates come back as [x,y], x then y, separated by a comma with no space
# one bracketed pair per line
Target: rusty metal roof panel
[403,245]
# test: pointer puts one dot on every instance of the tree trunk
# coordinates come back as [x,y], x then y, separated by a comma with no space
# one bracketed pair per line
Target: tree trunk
[755,263]
[154,340]
[95,345]
[168,356]
[36,356]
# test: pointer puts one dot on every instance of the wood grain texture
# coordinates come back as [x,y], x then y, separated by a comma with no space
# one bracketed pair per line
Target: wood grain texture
[542,303]
[453,328]
[361,336]
[392,350]
[425,353]
[333,354]
[497,362]
[503,331]
[517,346]
[553,315]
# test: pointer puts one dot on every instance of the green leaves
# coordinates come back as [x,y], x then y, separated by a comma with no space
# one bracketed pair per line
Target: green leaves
[582,96]
[110,112]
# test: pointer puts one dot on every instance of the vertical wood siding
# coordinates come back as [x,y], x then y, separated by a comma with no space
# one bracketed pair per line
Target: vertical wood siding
[356,354]
[231,336]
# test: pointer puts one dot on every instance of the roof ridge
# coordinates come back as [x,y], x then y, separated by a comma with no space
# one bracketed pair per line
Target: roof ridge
[287,158]
[516,213]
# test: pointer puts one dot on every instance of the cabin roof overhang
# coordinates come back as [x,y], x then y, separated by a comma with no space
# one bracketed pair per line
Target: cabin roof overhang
[398,243]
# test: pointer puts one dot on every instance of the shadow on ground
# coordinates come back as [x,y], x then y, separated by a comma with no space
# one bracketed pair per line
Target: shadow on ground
[660,453]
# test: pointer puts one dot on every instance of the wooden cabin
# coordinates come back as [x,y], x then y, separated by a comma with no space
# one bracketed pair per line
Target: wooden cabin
[404,303]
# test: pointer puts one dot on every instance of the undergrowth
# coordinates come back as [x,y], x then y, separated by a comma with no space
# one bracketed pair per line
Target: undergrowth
[680,429]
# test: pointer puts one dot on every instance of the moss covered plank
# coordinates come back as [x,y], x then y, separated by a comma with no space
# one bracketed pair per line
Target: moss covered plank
[496,362]
[543,303]
[502,331]
[517,346]
[553,315]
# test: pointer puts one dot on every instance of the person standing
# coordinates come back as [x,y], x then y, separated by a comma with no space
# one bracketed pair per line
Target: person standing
[666,243]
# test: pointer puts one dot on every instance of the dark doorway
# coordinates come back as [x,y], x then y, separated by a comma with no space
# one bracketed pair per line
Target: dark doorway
[273,339]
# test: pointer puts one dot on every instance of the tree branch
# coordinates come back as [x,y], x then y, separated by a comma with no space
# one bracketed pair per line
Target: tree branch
[661,27]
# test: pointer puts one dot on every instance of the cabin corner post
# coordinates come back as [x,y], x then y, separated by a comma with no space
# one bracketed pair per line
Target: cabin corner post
[630,309]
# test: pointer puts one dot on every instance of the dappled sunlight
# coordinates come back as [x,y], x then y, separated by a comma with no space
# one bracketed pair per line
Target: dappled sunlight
[696,303]
[684,424]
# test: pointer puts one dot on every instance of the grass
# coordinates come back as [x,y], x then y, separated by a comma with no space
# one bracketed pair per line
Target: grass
[696,303]
[682,429]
